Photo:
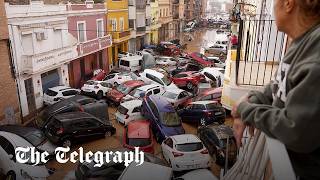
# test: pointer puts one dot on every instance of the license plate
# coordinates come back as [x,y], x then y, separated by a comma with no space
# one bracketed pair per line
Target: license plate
[218,113]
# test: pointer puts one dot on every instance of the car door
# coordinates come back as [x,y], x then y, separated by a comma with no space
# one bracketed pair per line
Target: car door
[136,113]
[6,163]
[197,112]
[105,87]
[167,148]
[80,129]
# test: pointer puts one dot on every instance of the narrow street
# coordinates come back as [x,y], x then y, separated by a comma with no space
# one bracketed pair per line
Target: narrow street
[66,171]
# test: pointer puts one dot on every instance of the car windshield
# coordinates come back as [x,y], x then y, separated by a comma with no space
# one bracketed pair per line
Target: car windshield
[138,142]
[122,110]
[222,71]
[189,147]
[133,76]
[123,89]
[170,95]
[137,93]
[51,93]
[212,106]
[36,138]
[166,80]
[170,119]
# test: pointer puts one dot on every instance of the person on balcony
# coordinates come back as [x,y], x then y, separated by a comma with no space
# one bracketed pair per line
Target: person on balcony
[289,107]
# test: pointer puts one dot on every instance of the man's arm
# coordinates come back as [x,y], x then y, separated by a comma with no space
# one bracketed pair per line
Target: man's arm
[258,97]
[297,125]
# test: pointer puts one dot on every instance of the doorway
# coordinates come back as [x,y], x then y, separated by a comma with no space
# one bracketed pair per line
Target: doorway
[30,95]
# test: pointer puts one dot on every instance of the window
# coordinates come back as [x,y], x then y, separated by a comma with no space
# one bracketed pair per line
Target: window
[169,142]
[51,93]
[69,93]
[189,147]
[180,75]
[121,24]
[131,23]
[156,91]
[81,28]
[100,29]
[108,85]
[85,124]
[114,24]
[136,109]
[160,12]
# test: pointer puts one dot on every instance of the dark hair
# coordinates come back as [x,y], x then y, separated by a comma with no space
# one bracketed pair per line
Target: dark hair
[310,7]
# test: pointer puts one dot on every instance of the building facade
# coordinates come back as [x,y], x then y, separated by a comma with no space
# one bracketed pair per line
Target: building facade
[166,31]
[42,48]
[155,23]
[118,26]
[87,23]
[189,10]
[178,16]
[9,104]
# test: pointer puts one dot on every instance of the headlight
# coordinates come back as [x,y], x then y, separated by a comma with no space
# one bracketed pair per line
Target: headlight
[25,175]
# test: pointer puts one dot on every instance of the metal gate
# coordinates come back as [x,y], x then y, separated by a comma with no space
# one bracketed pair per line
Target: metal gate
[50,79]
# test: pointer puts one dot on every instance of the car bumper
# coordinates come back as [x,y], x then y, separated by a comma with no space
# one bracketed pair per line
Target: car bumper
[88,93]
[191,164]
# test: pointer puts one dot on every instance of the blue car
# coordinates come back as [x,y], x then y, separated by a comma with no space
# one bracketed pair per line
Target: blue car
[203,113]
[163,117]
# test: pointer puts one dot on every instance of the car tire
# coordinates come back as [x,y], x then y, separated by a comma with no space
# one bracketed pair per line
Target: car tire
[66,143]
[99,95]
[11,176]
[107,134]
[189,85]
[115,84]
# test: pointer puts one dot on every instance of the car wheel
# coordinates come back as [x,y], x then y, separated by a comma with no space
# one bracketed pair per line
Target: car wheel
[202,122]
[115,84]
[108,134]
[189,85]
[66,143]
[11,176]
[99,95]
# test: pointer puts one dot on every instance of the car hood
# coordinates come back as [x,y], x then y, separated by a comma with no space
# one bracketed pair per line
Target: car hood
[171,131]
[48,146]
[172,86]
[115,93]
[35,171]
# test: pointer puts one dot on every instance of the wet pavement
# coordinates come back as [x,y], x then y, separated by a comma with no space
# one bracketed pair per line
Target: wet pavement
[66,171]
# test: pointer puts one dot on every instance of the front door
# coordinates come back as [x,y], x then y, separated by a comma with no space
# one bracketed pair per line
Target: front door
[30,95]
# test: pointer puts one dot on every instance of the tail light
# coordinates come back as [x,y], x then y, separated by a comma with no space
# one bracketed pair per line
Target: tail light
[177,154]
[60,131]
[205,151]
[208,113]
[96,87]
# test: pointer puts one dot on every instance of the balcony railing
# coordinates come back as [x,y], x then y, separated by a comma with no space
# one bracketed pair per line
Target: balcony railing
[141,29]
[118,35]
[260,47]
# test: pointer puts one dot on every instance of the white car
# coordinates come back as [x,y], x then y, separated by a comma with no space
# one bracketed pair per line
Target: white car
[119,78]
[166,61]
[214,74]
[141,92]
[152,76]
[58,93]
[8,164]
[176,96]
[185,152]
[217,62]
[217,49]
[125,54]
[129,111]
[97,89]
[203,174]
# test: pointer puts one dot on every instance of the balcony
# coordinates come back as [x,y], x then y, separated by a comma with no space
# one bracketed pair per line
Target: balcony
[141,31]
[33,64]
[176,16]
[175,2]
[94,45]
[120,36]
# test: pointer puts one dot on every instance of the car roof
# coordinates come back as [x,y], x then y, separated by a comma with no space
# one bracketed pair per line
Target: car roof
[154,72]
[185,138]
[70,116]
[138,129]
[203,102]
[15,139]
[175,90]
[162,103]
[212,69]
[222,131]
[132,58]
[60,88]
[133,83]
[131,104]
[19,130]
[147,87]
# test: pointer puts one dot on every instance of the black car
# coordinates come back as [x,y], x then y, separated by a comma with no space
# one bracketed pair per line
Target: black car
[77,103]
[64,129]
[215,139]
[33,135]
[109,171]
[186,67]
[203,113]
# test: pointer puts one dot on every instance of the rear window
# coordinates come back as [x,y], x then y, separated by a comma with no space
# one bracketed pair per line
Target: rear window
[138,142]
[170,95]
[122,110]
[189,147]
[36,138]
[51,93]
[170,119]
[124,63]
[90,83]
[212,106]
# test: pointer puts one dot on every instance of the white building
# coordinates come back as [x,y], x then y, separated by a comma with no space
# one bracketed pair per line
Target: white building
[41,50]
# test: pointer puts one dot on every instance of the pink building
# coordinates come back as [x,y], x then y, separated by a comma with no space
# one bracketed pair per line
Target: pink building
[87,22]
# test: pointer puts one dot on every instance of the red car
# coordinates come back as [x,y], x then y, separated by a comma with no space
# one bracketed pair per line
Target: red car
[212,94]
[138,134]
[116,94]
[201,59]
[188,79]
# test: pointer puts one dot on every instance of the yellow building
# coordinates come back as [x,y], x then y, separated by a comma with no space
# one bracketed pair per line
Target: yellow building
[118,26]
[155,24]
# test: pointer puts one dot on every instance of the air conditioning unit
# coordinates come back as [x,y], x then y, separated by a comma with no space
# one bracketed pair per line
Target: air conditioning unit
[41,36]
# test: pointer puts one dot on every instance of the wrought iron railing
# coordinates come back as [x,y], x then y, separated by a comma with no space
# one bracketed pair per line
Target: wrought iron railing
[260,47]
